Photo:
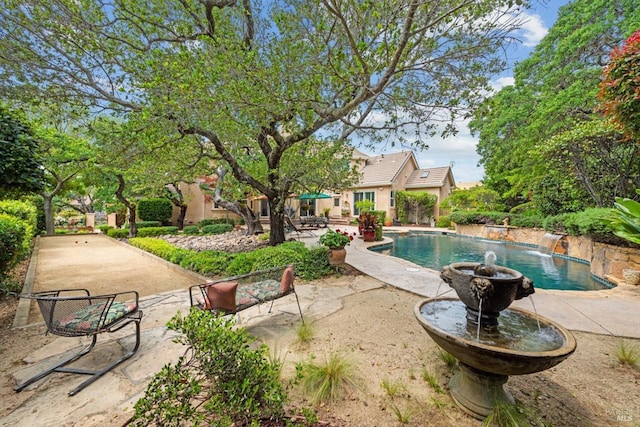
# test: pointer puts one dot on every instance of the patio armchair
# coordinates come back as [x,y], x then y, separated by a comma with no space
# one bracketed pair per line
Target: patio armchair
[76,313]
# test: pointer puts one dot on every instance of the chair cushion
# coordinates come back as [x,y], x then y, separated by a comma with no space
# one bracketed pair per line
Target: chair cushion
[287,280]
[253,293]
[221,296]
[86,320]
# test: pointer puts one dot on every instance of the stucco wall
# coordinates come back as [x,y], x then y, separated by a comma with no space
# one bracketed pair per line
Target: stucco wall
[607,261]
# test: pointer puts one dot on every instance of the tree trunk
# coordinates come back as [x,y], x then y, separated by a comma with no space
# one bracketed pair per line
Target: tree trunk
[174,194]
[133,231]
[251,220]
[48,214]
[276,223]
[181,216]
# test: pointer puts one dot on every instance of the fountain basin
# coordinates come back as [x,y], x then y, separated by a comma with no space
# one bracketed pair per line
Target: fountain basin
[496,353]
[486,295]
[486,357]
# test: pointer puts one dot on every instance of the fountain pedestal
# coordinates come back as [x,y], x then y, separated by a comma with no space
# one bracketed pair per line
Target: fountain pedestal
[518,347]
[476,392]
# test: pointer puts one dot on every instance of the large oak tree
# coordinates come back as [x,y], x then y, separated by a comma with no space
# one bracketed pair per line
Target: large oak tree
[267,80]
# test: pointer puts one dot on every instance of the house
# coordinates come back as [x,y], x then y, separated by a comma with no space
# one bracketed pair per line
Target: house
[381,177]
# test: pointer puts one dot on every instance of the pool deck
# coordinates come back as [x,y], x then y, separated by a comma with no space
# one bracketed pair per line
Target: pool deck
[609,311]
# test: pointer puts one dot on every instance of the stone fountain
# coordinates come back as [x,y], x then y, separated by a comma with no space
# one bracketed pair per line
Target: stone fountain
[490,340]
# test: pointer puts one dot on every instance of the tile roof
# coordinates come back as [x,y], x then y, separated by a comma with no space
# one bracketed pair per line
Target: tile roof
[427,178]
[383,169]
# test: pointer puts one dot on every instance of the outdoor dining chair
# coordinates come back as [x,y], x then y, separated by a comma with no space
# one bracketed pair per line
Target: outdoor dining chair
[76,313]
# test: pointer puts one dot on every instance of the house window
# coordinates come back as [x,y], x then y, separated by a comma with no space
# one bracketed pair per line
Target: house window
[392,199]
[336,202]
[362,195]
[264,208]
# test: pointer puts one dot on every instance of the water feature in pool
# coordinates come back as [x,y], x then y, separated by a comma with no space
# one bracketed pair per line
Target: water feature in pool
[437,250]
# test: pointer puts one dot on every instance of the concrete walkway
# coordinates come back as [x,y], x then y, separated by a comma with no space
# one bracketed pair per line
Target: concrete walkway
[111,399]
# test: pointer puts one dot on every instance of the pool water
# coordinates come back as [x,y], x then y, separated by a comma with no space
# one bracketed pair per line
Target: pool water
[547,272]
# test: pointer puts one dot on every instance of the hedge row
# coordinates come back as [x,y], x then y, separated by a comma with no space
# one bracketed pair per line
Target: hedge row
[18,225]
[310,263]
[212,221]
[123,233]
[589,222]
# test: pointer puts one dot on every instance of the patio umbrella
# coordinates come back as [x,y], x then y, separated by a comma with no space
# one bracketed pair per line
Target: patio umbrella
[311,196]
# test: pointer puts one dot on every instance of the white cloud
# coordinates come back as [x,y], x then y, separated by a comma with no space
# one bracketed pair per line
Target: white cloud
[533,30]
[501,82]
[459,151]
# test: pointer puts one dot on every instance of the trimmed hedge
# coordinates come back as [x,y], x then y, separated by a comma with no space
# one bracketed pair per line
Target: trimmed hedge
[213,221]
[118,233]
[191,230]
[470,217]
[155,209]
[217,228]
[147,224]
[207,262]
[105,228]
[160,248]
[590,222]
[156,231]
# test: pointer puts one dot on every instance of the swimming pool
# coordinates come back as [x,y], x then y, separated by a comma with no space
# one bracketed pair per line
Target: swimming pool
[547,272]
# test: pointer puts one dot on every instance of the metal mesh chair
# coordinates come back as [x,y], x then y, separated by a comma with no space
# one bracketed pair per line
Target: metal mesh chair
[76,313]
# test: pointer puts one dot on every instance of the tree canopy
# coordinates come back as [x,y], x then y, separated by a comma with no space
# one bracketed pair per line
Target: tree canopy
[20,167]
[256,84]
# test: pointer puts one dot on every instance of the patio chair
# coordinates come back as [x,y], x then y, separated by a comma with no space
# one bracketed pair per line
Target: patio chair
[76,313]
[290,227]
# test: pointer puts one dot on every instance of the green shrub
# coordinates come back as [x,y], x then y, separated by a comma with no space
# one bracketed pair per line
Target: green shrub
[105,228]
[157,231]
[314,265]
[191,230]
[207,262]
[587,222]
[160,248]
[242,263]
[443,222]
[275,256]
[118,233]
[147,224]
[212,221]
[529,220]
[381,215]
[217,228]
[12,237]
[470,217]
[155,209]
[24,211]
[224,380]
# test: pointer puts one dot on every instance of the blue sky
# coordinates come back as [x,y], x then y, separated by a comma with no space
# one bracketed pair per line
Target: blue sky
[461,150]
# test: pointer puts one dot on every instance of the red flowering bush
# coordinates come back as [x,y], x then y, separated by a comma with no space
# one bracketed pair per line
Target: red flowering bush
[620,86]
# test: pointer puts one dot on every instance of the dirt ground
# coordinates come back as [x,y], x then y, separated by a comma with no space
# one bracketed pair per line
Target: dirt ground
[376,330]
